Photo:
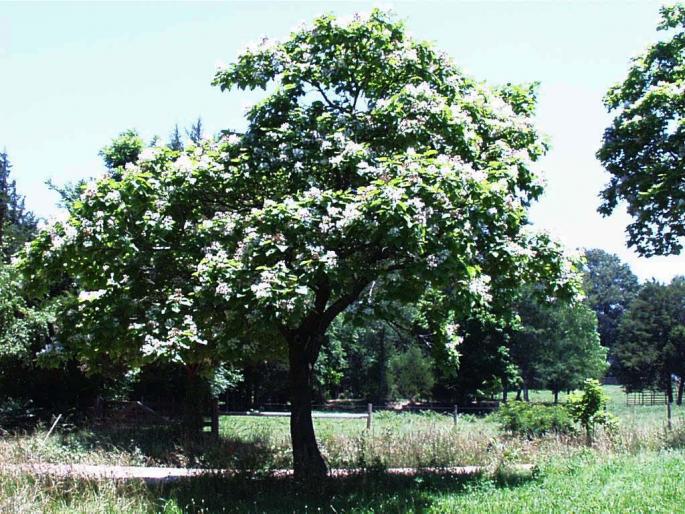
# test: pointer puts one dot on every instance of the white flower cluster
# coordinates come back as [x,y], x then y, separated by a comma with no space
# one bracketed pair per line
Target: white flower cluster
[344,22]
[263,288]
[183,164]
[89,296]
[222,222]
[434,260]
[157,220]
[480,287]
[394,194]
[113,198]
[149,154]
[181,333]
[327,257]
[223,289]
[503,116]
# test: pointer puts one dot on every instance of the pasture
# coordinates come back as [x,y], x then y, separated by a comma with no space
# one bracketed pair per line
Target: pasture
[635,469]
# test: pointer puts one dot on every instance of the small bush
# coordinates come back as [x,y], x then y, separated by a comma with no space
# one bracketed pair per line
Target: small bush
[533,420]
[588,408]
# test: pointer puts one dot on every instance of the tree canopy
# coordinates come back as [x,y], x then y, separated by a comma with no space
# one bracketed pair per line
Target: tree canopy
[644,148]
[557,345]
[373,172]
[610,286]
[651,338]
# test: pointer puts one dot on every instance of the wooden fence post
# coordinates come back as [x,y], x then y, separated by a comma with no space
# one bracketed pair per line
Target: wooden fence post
[668,409]
[455,414]
[369,415]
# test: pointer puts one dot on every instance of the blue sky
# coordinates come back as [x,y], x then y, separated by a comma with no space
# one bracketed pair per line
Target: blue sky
[73,75]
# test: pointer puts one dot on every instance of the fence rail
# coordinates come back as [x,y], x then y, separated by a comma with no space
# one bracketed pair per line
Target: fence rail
[138,412]
[646,398]
[443,408]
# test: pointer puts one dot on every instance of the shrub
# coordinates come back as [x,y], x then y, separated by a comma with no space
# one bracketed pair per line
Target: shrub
[588,408]
[534,420]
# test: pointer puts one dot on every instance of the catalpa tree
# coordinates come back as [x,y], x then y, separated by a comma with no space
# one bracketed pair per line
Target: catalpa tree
[373,172]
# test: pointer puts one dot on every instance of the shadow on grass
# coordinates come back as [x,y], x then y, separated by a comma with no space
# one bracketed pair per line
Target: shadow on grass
[370,492]
[170,446]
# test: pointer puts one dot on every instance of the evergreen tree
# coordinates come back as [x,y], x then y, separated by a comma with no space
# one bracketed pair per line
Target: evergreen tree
[175,142]
[195,131]
[4,197]
[651,341]
[17,225]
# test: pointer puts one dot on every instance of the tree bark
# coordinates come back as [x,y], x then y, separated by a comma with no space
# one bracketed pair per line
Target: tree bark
[669,391]
[679,398]
[525,392]
[194,401]
[308,462]
[556,397]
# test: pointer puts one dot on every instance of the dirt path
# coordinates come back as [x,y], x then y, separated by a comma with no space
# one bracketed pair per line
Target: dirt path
[164,474]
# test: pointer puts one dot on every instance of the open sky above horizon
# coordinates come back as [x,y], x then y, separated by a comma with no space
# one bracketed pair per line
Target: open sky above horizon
[74,75]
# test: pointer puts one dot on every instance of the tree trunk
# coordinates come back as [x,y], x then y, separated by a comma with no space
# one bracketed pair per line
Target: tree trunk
[679,398]
[307,460]
[194,400]
[669,390]
[525,392]
[556,397]
[382,394]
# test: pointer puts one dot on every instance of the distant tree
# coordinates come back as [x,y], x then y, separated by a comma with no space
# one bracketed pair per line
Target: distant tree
[410,374]
[651,340]
[195,133]
[4,195]
[17,224]
[365,352]
[175,141]
[21,326]
[610,286]
[124,149]
[571,350]
[644,148]
[68,193]
[557,345]
[485,364]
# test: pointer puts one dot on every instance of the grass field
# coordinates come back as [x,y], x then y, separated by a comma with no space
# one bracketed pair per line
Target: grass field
[637,469]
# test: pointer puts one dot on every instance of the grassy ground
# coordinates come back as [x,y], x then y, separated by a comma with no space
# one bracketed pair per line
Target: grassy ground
[637,469]
[646,482]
